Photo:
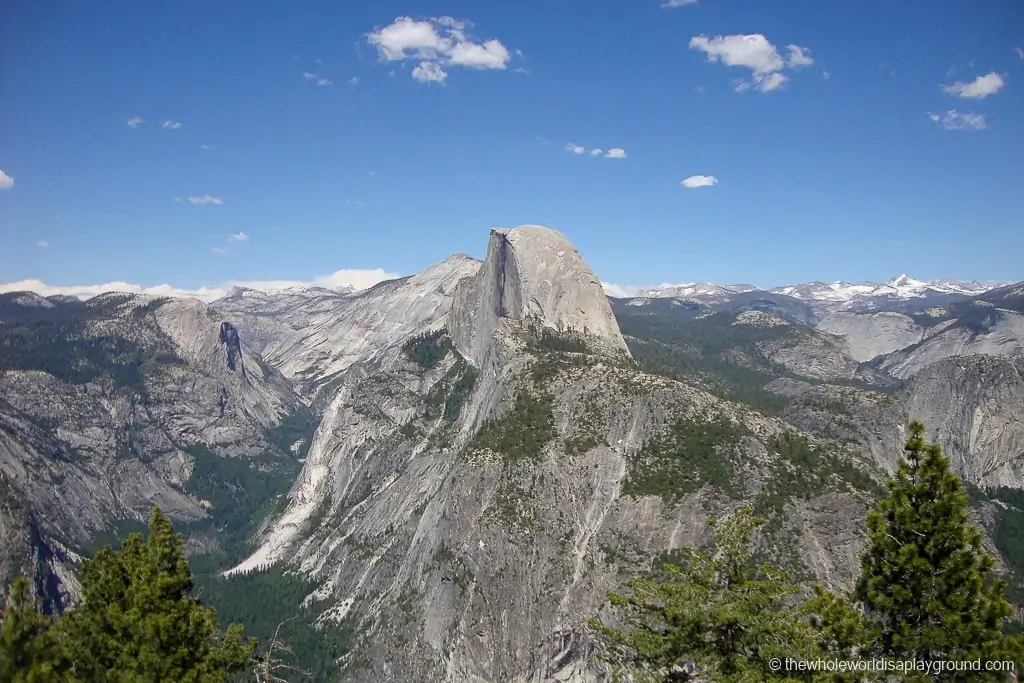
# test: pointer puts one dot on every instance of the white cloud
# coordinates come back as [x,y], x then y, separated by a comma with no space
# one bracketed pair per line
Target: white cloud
[204,147]
[354,202]
[954,120]
[223,251]
[42,244]
[799,56]
[6,181]
[436,43]
[754,52]
[573,148]
[171,125]
[491,55]
[772,81]
[135,121]
[1019,51]
[238,237]
[678,3]
[695,181]
[356,278]
[429,72]
[206,199]
[317,78]
[978,89]
[354,80]
[826,75]
[619,291]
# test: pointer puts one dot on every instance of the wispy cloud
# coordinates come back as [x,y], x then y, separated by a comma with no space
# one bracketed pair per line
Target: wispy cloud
[204,147]
[696,181]
[437,43]
[1019,51]
[954,120]
[6,181]
[43,244]
[354,202]
[678,3]
[613,153]
[223,251]
[798,56]
[358,279]
[136,121]
[206,199]
[317,78]
[754,52]
[978,89]
[171,125]
[238,237]
[354,80]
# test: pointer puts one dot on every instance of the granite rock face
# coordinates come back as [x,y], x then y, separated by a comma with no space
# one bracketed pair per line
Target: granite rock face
[313,335]
[107,437]
[463,563]
[533,273]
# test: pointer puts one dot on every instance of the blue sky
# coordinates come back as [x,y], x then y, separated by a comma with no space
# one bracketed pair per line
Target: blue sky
[321,135]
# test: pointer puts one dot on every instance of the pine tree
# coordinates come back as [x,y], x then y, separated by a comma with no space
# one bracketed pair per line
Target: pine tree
[140,622]
[30,649]
[716,616]
[925,585]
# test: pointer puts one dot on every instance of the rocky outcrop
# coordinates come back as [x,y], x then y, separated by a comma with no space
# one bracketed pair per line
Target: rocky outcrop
[971,406]
[980,330]
[107,437]
[532,273]
[313,335]
[869,335]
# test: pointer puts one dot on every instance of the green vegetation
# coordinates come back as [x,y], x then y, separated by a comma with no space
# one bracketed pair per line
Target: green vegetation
[1008,535]
[296,426]
[446,398]
[709,348]
[242,491]
[31,650]
[690,455]
[428,349]
[926,593]
[266,599]
[545,340]
[144,618]
[523,431]
[716,615]
[58,341]
[926,588]
[139,620]
[805,470]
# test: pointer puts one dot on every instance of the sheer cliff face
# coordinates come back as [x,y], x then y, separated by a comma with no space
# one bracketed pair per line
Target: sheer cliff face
[107,436]
[458,557]
[532,273]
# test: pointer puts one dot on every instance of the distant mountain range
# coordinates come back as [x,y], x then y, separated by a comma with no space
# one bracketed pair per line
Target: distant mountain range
[898,292]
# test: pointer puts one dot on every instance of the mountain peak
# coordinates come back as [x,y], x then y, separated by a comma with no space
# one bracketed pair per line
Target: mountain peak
[532,273]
